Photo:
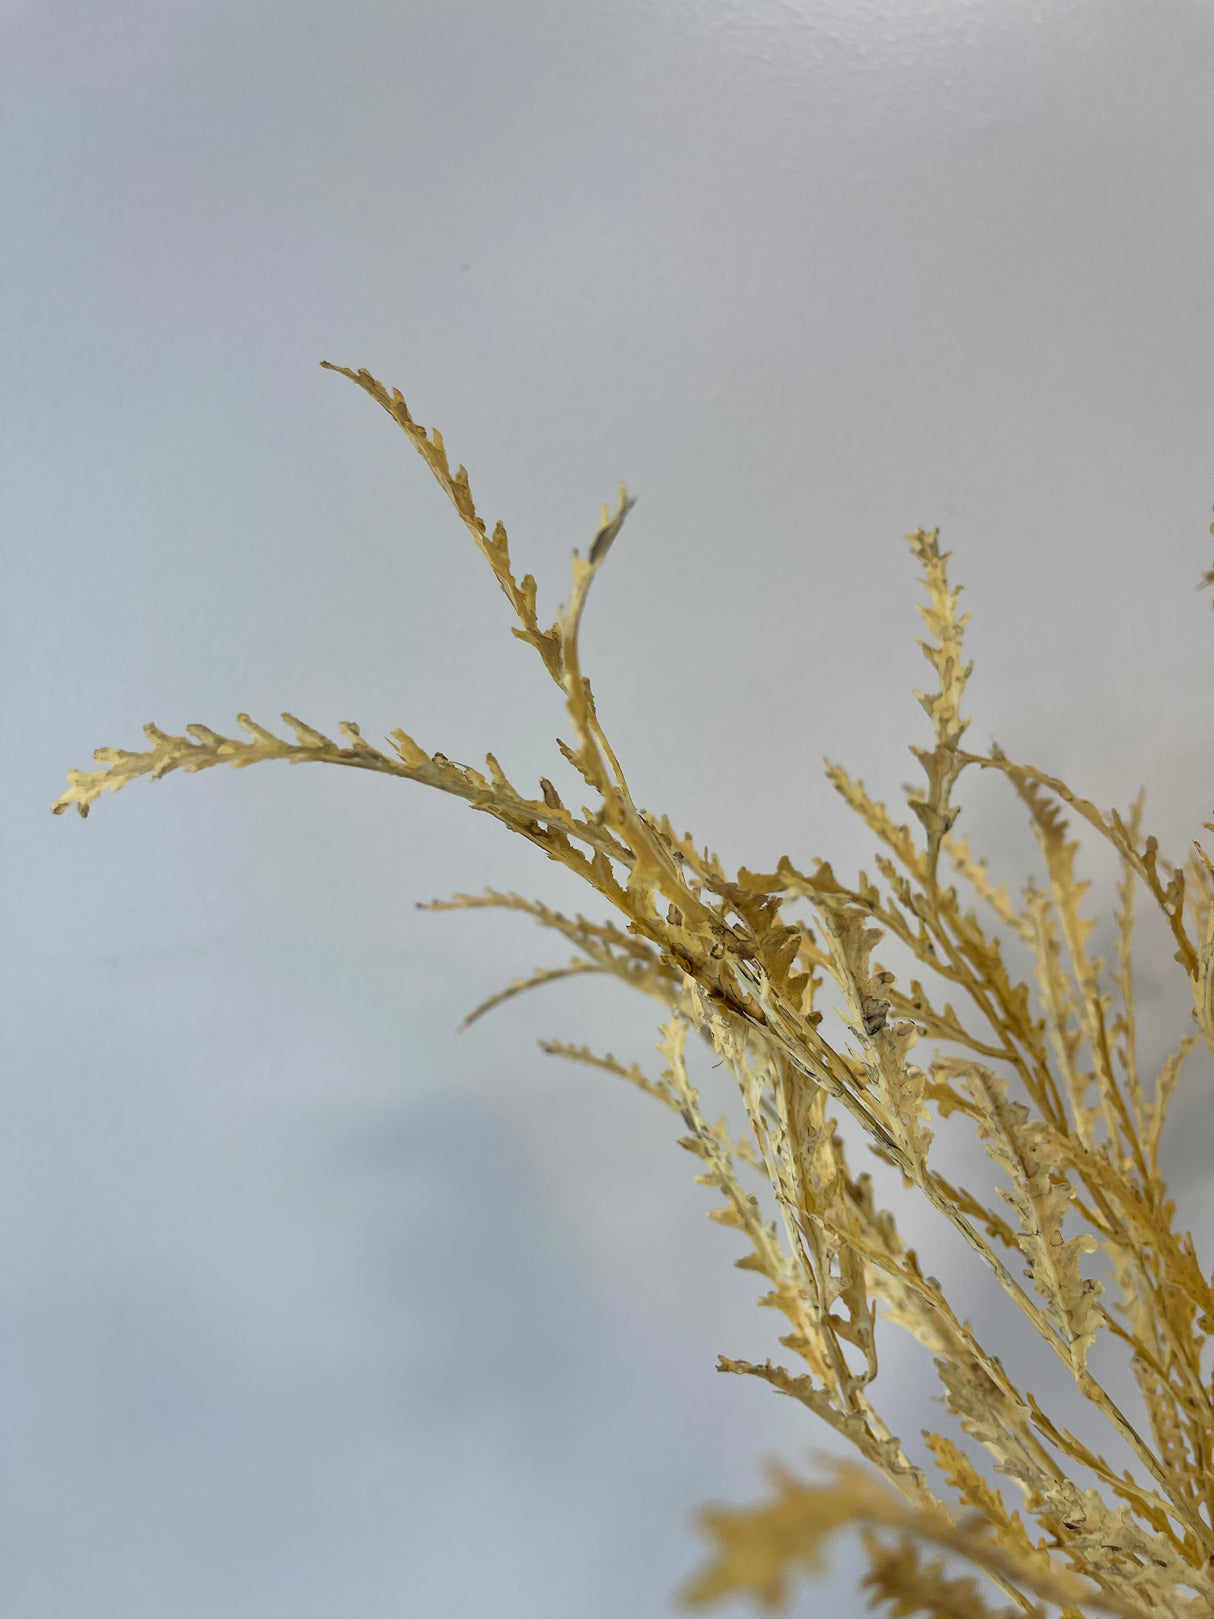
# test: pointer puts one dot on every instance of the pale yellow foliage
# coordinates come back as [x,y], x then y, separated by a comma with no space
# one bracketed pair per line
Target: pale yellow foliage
[1051,1084]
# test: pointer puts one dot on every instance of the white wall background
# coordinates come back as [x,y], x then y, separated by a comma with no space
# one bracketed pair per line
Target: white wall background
[311,1308]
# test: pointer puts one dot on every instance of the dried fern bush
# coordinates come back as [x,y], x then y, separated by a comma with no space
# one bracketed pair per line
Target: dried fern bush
[1048,1079]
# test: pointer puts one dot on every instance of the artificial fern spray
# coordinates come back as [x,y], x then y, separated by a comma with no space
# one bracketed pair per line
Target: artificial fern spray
[1048,1079]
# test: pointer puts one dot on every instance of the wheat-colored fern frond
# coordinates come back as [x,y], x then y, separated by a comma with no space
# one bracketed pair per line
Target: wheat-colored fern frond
[1048,1077]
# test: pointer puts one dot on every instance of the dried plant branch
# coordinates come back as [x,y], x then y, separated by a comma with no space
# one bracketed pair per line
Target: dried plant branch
[1048,1079]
